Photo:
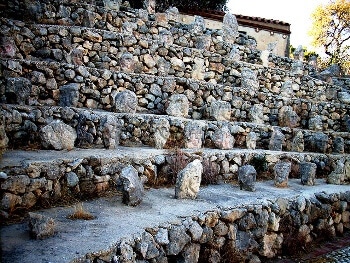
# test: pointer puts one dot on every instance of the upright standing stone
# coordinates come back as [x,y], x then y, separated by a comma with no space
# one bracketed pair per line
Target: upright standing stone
[127,63]
[178,106]
[223,139]
[40,226]
[288,117]
[319,142]
[256,114]
[247,177]
[111,130]
[297,68]
[161,129]
[112,4]
[125,102]
[298,142]
[58,136]
[150,6]
[307,172]
[338,175]
[220,110]
[230,28]
[69,95]
[315,123]
[132,186]
[249,81]
[281,171]
[194,135]
[235,53]
[298,54]
[198,25]
[251,139]
[338,145]
[277,140]
[188,181]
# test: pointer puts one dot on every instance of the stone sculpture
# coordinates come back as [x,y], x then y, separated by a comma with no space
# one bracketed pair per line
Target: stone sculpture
[220,110]
[298,142]
[40,226]
[337,176]
[251,139]
[178,106]
[277,140]
[194,135]
[132,186]
[188,181]
[161,128]
[307,172]
[256,114]
[247,177]
[111,130]
[230,28]
[223,139]
[69,95]
[58,135]
[281,172]
[125,102]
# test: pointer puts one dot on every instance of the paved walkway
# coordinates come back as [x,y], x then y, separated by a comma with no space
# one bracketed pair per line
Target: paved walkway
[114,220]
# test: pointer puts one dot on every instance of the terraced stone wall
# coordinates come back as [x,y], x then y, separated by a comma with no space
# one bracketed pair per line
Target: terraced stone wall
[253,233]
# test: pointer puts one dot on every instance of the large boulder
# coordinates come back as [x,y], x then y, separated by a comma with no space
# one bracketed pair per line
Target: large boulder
[58,135]
[132,186]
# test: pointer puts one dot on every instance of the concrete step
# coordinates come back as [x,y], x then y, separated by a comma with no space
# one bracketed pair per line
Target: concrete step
[117,226]
[101,129]
[42,177]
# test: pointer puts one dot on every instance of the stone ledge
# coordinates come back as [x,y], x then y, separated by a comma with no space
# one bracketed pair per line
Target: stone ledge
[217,208]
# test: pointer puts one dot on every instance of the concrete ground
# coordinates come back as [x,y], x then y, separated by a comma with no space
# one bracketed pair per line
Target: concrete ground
[114,220]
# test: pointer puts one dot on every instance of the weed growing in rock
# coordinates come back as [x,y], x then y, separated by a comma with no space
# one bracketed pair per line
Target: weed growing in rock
[177,161]
[80,213]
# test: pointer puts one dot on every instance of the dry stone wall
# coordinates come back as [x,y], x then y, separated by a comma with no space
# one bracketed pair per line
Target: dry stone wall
[254,233]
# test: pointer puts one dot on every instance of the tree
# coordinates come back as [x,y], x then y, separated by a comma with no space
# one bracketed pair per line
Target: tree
[162,5]
[331,30]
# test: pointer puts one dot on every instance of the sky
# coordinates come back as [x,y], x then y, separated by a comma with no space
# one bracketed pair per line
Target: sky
[295,12]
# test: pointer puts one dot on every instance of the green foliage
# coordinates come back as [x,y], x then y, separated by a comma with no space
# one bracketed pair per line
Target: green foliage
[331,30]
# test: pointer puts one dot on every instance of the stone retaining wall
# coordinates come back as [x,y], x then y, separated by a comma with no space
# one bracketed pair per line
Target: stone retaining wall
[37,83]
[23,126]
[246,234]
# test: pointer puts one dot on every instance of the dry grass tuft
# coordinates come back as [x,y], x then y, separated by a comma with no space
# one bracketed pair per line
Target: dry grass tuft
[80,213]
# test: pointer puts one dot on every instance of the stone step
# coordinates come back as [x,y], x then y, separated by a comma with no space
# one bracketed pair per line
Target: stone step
[290,105]
[37,177]
[160,222]
[31,126]
[103,48]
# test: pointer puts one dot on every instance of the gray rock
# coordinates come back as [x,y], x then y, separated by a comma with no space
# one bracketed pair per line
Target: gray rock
[344,97]
[69,95]
[150,6]
[132,186]
[172,14]
[223,139]
[277,140]
[72,179]
[230,28]
[194,135]
[198,25]
[247,177]
[220,110]
[307,172]
[249,80]
[126,102]
[161,128]
[315,123]
[251,139]
[338,145]
[147,246]
[40,226]
[111,131]
[337,176]
[3,176]
[319,142]
[288,117]
[178,106]
[178,238]
[281,172]
[298,142]
[188,181]
[297,68]
[18,90]
[256,114]
[127,63]
[58,136]
[112,4]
